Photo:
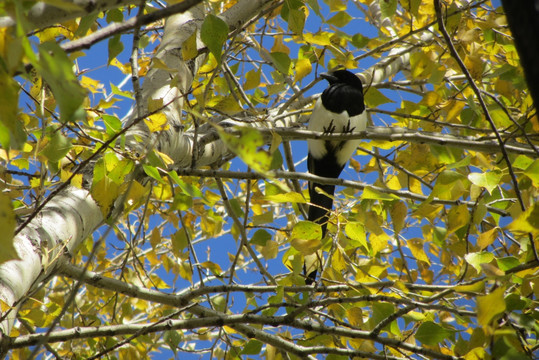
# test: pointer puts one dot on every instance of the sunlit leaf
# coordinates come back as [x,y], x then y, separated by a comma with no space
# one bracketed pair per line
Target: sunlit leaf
[247,145]
[476,259]
[488,180]
[356,232]
[306,237]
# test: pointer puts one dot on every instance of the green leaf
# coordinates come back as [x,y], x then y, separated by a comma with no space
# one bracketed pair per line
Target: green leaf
[313,4]
[116,47]
[388,7]
[264,218]
[532,171]
[478,258]
[380,311]
[292,197]
[356,232]
[112,124]
[489,180]
[247,145]
[57,147]
[374,194]
[260,237]
[11,128]
[360,41]
[306,230]
[188,189]
[507,263]
[85,24]
[522,162]
[340,19]
[124,93]
[296,21]
[152,171]
[431,334]
[281,61]
[214,33]
[253,347]
[57,70]
[306,236]
[172,338]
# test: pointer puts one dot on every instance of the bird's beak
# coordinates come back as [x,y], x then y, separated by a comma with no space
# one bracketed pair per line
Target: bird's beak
[329,77]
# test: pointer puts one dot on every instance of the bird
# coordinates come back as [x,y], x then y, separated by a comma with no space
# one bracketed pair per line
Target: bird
[340,109]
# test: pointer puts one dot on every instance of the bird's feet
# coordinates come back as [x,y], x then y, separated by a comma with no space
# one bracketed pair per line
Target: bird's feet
[349,128]
[330,129]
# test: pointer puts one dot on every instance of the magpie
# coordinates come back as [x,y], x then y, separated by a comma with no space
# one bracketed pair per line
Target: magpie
[340,109]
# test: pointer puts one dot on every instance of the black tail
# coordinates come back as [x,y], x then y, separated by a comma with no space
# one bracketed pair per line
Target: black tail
[321,204]
[319,213]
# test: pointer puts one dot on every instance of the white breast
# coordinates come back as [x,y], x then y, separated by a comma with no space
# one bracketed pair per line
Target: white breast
[320,120]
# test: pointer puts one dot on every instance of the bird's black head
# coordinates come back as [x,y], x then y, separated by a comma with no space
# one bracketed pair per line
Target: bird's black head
[344,77]
[345,93]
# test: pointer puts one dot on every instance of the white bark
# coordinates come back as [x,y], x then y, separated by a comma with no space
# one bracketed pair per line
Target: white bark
[174,142]
[57,230]
[43,14]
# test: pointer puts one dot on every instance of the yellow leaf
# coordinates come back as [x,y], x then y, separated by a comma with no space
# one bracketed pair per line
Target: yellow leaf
[398,215]
[432,99]
[136,195]
[252,80]
[166,159]
[454,110]
[105,193]
[475,65]
[189,47]
[228,105]
[213,267]
[336,5]
[489,306]
[155,238]
[303,68]
[186,271]
[355,316]
[159,64]
[321,39]
[157,122]
[528,221]
[92,85]
[486,238]
[458,217]
[279,46]
[475,288]
[378,242]
[416,247]
[337,261]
